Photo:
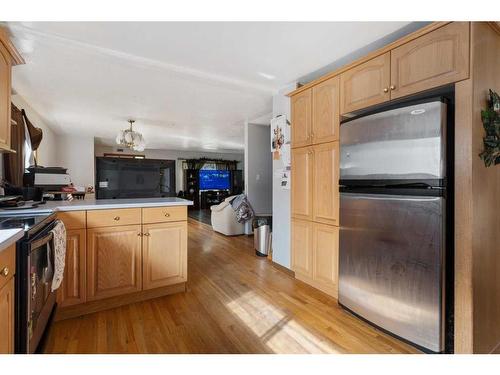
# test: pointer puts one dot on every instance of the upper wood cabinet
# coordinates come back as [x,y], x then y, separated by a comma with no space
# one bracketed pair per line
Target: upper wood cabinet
[9,56]
[73,288]
[433,60]
[302,242]
[5,88]
[326,183]
[326,111]
[164,262]
[302,182]
[326,258]
[366,84]
[114,261]
[301,106]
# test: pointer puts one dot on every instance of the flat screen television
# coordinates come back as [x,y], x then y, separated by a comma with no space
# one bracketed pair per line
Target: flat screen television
[134,178]
[214,179]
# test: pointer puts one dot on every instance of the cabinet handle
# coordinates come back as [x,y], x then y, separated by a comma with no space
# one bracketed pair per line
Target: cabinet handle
[309,152]
[167,214]
[312,135]
[386,89]
[393,87]
[116,218]
[139,234]
[5,272]
[146,234]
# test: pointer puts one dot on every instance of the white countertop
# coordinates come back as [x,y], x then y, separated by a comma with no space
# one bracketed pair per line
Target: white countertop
[100,204]
[9,236]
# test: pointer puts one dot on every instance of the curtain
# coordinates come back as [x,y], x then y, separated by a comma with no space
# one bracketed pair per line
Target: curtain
[13,163]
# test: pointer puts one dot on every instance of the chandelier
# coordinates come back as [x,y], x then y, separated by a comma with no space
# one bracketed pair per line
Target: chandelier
[131,139]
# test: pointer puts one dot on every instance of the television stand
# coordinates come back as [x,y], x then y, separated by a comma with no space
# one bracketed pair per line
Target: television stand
[212,197]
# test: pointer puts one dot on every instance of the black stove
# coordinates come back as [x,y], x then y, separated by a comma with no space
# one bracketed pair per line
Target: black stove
[30,223]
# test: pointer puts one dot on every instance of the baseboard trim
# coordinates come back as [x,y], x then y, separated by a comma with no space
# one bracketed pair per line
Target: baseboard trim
[74,311]
[288,271]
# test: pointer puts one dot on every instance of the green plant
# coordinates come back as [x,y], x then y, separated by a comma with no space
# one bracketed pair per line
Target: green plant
[491,123]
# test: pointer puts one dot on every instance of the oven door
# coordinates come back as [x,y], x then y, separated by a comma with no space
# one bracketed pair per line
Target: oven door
[40,298]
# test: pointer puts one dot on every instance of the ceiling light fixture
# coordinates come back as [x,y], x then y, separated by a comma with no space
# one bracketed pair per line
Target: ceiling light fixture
[131,139]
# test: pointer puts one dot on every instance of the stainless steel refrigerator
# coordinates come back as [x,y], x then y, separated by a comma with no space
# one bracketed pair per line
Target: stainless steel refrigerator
[393,220]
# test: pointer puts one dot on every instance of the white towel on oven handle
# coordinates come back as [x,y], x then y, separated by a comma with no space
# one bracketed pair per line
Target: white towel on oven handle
[59,233]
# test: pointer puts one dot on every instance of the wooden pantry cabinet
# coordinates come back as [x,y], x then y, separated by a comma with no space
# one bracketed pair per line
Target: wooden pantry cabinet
[315,250]
[326,111]
[301,119]
[302,162]
[7,271]
[117,256]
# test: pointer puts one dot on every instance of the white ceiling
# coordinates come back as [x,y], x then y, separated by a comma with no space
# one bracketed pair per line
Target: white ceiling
[189,85]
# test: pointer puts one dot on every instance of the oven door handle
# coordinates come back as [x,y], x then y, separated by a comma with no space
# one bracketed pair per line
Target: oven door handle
[42,241]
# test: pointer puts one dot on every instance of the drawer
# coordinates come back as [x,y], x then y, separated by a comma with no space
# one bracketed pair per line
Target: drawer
[109,218]
[7,264]
[73,219]
[163,214]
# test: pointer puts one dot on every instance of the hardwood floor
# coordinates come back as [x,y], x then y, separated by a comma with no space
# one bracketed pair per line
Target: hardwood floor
[235,303]
[205,215]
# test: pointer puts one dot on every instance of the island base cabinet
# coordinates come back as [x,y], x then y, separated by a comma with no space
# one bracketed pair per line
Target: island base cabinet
[73,289]
[114,261]
[164,262]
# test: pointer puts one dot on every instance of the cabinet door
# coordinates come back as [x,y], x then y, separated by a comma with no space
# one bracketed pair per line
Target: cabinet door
[301,119]
[326,183]
[302,182]
[433,60]
[326,257]
[326,111]
[114,261]
[7,318]
[366,84]
[5,82]
[72,290]
[302,247]
[164,254]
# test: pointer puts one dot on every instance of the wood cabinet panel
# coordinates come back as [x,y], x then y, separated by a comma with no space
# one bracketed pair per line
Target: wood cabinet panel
[302,245]
[7,264]
[73,288]
[326,183]
[153,215]
[302,182]
[73,219]
[164,254]
[5,89]
[114,261]
[109,218]
[301,107]
[433,60]
[366,84]
[326,257]
[7,317]
[326,111]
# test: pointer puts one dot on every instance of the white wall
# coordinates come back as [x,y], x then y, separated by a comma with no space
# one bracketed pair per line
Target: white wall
[178,156]
[76,153]
[281,197]
[258,169]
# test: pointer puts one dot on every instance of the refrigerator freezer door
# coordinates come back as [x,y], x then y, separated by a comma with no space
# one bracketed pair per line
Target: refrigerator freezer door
[391,264]
[403,143]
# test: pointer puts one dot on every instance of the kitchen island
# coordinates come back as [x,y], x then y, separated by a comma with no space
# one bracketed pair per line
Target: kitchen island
[119,251]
